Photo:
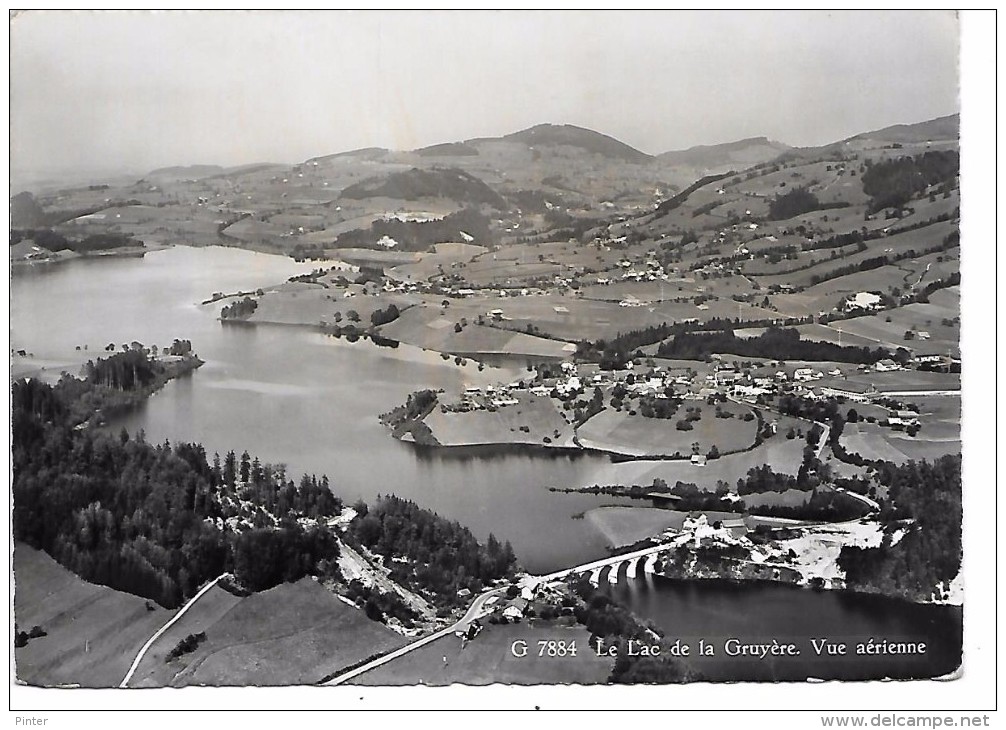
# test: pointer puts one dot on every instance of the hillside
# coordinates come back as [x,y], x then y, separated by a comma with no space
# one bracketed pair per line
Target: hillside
[742,153]
[186,172]
[92,632]
[942,128]
[548,182]
[452,184]
[448,149]
[546,135]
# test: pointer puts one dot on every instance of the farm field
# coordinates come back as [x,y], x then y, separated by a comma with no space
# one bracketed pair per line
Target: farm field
[488,659]
[782,454]
[902,380]
[310,304]
[900,243]
[92,632]
[432,328]
[623,433]
[914,318]
[871,442]
[295,633]
[536,413]
[446,257]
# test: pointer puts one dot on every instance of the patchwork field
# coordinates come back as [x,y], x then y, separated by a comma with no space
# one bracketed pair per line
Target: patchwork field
[92,632]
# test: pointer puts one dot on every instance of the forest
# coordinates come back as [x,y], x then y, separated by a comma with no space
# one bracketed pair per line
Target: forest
[929,554]
[156,520]
[892,183]
[774,343]
[420,235]
[793,203]
[443,556]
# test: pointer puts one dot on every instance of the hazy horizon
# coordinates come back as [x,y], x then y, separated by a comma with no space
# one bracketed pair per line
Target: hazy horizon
[128,92]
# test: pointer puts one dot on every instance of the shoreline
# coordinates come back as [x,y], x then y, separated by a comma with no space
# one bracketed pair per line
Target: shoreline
[741,581]
[59,257]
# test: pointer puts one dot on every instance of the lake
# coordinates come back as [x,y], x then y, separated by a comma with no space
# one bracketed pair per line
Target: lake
[290,395]
[759,612]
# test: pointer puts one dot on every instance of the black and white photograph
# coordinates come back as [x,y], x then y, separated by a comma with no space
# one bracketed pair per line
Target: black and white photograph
[374,350]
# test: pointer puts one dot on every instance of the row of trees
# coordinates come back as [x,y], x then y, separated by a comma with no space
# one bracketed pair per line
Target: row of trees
[240,309]
[53,241]
[774,343]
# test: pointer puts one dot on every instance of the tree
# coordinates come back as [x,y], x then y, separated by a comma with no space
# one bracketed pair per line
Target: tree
[353,315]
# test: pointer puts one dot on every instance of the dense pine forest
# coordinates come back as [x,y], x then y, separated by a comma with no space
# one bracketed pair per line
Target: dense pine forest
[925,498]
[444,556]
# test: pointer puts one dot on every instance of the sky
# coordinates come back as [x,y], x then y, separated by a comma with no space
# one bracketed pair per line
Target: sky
[131,91]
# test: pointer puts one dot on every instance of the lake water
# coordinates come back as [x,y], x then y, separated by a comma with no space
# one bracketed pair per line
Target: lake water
[293,396]
[758,613]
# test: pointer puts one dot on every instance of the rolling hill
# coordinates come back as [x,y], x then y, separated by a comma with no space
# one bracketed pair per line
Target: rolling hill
[742,153]
[568,135]
[414,184]
[941,128]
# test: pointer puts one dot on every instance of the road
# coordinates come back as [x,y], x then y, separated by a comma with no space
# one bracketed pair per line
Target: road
[168,625]
[475,610]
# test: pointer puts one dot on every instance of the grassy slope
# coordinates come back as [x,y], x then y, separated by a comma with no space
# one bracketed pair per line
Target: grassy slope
[295,633]
[94,632]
